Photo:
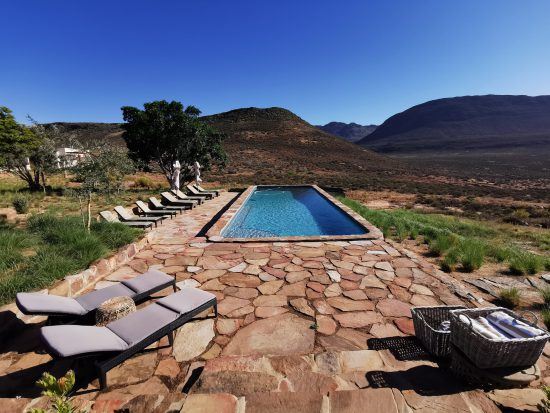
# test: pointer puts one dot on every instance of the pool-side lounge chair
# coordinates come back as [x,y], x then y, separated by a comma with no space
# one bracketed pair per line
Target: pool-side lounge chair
[171,199]
[109,217]
[121,339]
[201,189]
[144,209]
[138,288]
[157,205]
[181,195]
[124,215]
[195,191]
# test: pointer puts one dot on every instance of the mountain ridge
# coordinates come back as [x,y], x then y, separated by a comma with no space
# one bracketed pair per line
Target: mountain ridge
[351,132]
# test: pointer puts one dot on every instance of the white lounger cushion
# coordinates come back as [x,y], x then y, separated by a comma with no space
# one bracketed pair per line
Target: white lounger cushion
[70,340]
[30,303]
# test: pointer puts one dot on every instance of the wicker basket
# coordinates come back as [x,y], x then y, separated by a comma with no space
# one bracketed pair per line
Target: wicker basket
[488,353]
[426,323]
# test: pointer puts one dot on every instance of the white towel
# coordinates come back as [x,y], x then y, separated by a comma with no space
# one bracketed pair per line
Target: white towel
[488,332]
[512,326]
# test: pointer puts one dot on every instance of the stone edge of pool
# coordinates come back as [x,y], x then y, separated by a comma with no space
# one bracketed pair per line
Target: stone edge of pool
[214,233]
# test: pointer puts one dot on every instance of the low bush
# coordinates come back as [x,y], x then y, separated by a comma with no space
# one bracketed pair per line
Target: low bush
[21,204]
[523,262]
[545,293]
[450,261]
[146,183]
[546,317]
[442,243]
[509,297]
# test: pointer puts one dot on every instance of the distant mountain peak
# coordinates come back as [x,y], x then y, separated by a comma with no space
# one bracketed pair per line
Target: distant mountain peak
[352,132]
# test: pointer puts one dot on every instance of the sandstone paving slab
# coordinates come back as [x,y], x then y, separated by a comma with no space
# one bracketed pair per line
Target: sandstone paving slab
[347,304]
[245,293]
[358,319]
[270,287]
[280,335]
[270,301]
[377,400]
[266,312]
[285,402]
[325,325]
[518,399]
[211,403]
[302,305]
[229,304]
[393,308]
[192,339]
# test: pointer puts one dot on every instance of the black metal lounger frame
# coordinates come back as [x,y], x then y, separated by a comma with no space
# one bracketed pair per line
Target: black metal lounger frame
[102,367]
[89,317]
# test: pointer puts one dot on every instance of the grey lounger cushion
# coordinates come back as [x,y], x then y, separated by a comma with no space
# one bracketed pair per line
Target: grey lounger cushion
[136,326]
[186,300]
[70,340]
[30,303]
[92,300]
[119,335]
[147,281]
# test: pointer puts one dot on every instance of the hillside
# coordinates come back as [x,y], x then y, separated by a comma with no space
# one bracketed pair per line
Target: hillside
[274,145]
[351,132]
[503,135]
[85,131]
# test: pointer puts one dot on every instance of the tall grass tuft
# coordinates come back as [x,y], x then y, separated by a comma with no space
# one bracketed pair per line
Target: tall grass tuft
[546,317]
[545,293]
[472,254]
[442,243]
[510,297]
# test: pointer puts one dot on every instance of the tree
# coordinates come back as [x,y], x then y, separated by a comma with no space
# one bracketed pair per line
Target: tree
[44,159]
[165,132]
[102,170]
[17,146]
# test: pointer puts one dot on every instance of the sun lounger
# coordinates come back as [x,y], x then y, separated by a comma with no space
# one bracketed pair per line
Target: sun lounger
[143,208]
[124,215]
[206,191]
[121,339]
[171,199]
[157,205]
[196,192]
[137,288]
[109,217]
[181,195]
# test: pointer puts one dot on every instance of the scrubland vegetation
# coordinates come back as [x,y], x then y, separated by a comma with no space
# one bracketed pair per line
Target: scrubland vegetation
[462,244]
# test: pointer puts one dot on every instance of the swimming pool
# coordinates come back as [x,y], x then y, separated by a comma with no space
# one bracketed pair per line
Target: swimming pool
[290,211]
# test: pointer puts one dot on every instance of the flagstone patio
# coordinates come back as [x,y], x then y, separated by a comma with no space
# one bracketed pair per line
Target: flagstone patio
[302,326]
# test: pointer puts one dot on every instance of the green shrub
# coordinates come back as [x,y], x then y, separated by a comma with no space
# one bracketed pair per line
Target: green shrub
[509,297]
[523,262]
[472,254]
[546,317]
[544,405]
[450,261]
[12,242]
[21,204]
[545,293]
[442,243]
[114,234]
[57,390]
[146,183]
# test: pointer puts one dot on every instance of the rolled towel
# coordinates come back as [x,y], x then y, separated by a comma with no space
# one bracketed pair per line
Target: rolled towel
[445,325]
[512,326]
[490,333]
[501,333]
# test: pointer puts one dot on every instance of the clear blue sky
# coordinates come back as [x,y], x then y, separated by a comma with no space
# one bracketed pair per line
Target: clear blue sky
[356,61]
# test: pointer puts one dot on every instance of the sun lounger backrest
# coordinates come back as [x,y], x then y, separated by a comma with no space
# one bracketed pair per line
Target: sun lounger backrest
[192,189]
[120,210]
[108,216]
[156,202]
[169,196]
[179,193]
[143,206]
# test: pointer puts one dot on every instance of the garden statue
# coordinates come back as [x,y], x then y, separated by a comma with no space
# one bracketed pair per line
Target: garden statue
[176,175]
[197,171]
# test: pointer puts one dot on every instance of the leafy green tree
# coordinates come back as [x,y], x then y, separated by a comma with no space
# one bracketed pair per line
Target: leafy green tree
[165,132]
[102,170]
[17,146]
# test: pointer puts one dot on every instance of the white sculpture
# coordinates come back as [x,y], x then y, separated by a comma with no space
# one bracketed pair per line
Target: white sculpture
[197,171]
[176,175]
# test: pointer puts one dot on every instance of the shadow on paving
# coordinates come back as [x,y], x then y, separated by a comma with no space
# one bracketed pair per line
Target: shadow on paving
[423,380]
[402,348]
[209,224]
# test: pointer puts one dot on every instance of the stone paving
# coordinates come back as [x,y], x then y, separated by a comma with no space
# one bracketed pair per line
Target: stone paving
[302,326]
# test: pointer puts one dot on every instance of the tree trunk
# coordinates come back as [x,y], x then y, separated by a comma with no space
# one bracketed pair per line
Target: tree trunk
[89,211]
[43,177]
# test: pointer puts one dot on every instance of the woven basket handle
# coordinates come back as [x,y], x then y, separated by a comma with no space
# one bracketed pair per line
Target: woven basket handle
[420,316]
[523,313]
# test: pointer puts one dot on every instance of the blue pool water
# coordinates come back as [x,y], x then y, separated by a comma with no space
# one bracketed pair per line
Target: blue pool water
[289,211]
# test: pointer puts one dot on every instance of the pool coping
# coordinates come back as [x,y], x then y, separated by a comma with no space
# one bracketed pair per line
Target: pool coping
[214,233]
